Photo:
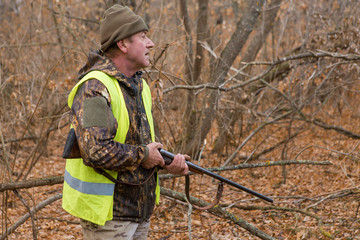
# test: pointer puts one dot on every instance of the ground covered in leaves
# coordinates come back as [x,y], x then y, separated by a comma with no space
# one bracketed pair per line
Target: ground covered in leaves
[311,201]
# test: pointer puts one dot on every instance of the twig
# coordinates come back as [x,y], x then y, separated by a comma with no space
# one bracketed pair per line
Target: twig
[27,215]
[269,164]
[39,149]
[309,54]
[58,219]
[338,191]
[262,125]
[318,146]
[263,152]
[357,211]
[318,122]
[6,157]
[201,151]
[31,214]
[18,139]
[27,45]
[189,220]
[338,129]
[270,207]
[74,17]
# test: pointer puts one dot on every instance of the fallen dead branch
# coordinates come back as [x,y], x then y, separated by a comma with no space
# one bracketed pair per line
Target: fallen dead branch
[31,183]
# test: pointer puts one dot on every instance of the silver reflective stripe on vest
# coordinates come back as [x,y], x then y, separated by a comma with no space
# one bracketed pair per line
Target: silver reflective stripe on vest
[106,189]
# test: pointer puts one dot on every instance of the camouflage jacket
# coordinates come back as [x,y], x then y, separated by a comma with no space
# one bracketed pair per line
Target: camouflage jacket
[95,128]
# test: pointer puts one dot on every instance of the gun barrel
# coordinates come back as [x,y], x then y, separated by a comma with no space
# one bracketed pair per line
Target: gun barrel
[195,168]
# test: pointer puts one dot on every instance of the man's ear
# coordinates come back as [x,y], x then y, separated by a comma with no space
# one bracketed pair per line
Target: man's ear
[122,46]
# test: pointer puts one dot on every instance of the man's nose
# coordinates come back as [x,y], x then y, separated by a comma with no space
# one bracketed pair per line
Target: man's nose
[150,43]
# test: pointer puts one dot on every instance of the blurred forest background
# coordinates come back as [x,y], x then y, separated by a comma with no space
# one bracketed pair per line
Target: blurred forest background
[264,92]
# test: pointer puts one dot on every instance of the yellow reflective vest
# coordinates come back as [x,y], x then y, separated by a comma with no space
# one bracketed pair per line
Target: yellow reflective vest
[87,194]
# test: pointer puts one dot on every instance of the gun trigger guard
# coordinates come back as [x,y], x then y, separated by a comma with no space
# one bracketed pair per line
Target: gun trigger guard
[212,204]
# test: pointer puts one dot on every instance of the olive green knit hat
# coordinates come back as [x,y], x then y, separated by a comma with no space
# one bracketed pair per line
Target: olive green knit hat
[119,22]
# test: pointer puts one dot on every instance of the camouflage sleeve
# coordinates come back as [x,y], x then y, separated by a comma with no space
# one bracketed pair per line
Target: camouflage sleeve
[95,128]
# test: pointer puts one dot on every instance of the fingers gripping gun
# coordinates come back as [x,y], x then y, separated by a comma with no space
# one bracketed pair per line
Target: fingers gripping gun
[168,157]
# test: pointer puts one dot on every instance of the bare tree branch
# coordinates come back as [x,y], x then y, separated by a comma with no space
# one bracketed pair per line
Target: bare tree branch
[310,54]
[262,125]
[253,165]
[338,129]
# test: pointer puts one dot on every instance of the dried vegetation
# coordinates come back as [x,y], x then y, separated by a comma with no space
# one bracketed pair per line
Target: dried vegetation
[290,95]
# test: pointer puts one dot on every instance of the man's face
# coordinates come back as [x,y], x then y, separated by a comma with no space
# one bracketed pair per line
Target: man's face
[139,46]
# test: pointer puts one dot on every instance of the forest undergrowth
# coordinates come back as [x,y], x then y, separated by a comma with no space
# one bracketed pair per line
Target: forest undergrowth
[280,102]
[310,201]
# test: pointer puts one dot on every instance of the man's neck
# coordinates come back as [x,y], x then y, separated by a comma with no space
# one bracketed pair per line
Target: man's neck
[124,67]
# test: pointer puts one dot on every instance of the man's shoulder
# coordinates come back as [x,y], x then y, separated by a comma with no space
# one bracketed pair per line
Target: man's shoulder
[94,88]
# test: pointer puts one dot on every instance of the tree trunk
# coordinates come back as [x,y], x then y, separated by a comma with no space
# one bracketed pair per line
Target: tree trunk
[243,29]
[193,67]
[263,28]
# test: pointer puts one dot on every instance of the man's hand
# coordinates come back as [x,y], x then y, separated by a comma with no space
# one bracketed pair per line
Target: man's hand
[155,157]
[178,165]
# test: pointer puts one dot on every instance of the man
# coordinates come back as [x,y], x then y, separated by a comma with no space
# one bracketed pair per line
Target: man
[112,187]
